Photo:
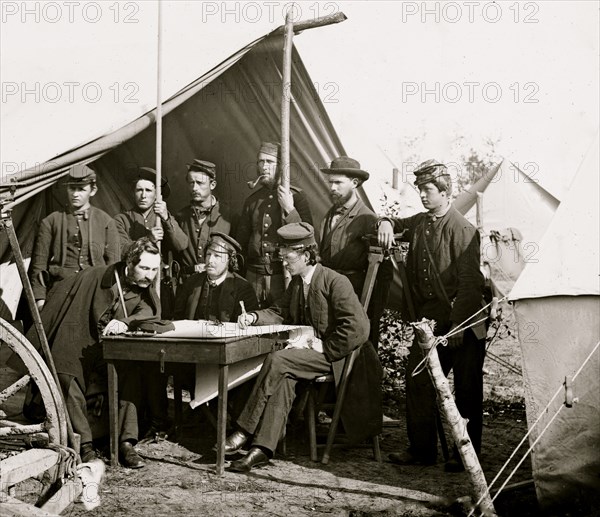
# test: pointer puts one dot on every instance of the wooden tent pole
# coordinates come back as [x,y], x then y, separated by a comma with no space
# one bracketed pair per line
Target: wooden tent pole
[158,223]
[285,100]
[458,425]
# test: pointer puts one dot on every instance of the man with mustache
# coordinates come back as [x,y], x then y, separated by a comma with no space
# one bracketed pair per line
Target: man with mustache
[100,301]
[264,212]
[342,246]
[201,217]
[73,239]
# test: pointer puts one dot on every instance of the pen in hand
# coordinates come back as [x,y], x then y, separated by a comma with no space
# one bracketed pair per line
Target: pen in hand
[244,320]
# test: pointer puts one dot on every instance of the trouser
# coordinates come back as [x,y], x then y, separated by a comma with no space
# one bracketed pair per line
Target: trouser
[152,402]
[267,409]
[80,420]
[467,363]
[268,288]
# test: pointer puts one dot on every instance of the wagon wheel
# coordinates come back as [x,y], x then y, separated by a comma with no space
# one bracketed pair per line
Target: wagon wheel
[48,462]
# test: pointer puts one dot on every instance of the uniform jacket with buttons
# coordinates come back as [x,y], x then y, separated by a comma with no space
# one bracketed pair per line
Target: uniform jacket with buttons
[50,249]
[132,226]
[233,290]
[260,220]
[216,221]
[342,247]
[339,320]
[454,246]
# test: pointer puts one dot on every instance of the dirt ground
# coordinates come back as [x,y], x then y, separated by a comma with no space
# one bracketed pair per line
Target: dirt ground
[179,478]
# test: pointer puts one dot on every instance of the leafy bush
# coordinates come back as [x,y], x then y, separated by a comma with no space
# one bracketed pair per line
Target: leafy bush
[394,339]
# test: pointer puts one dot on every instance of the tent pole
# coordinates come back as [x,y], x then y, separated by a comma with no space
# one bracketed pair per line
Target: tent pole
[7,225]
[158,223]
[285,100]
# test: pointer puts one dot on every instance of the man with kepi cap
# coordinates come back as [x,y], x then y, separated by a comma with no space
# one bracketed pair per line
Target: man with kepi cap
[264,212]
[335,324]
[202,216]
[74,238]
[447,286]
[140,221]
[346,224]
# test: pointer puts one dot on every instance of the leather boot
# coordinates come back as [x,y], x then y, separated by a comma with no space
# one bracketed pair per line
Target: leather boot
[254,458]
[129,457]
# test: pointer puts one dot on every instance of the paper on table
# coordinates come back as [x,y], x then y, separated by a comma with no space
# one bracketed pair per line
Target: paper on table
[211,330]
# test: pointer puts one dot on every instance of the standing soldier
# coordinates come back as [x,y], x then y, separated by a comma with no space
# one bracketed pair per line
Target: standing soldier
[342,245]
[141,220]
[447,286]
[264,212]
[202,217]
[73,239]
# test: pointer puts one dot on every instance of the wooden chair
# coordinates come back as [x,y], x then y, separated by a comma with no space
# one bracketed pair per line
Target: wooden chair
[316,396]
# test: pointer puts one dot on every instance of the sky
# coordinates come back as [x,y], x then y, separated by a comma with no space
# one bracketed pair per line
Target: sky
[401,81]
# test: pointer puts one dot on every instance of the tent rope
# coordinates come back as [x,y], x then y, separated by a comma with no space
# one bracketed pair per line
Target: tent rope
[443,340]
[542,413]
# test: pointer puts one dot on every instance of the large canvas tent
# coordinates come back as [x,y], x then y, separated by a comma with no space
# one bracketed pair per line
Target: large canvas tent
[557,304]
[516,212]
[222,117]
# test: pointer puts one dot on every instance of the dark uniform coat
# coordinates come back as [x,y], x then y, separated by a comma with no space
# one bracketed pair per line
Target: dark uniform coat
[50,249]
[233,290]
[132,226]
[260,220]
[339,320]
[217,220]
[74,309]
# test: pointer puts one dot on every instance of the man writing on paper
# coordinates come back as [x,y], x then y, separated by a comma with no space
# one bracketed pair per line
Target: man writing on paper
[99,301]
[324,300]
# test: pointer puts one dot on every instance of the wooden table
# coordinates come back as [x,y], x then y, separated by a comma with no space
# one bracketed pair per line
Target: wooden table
[219,351]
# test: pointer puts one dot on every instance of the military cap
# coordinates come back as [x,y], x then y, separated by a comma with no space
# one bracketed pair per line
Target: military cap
[223,243]
[208,168]
[270,148]
[79,176]
[429,171]
[149,174]
[348,167]
[295,235]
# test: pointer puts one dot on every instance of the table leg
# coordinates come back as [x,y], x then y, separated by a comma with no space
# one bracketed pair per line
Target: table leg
[222,418]
[113,413]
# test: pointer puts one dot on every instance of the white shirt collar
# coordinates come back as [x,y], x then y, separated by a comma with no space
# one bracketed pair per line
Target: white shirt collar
[219,280]
[307,279]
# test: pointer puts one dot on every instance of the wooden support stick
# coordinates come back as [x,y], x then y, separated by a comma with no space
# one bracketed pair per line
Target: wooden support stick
[313,24]
[285,101]
[458,425]
[158,223]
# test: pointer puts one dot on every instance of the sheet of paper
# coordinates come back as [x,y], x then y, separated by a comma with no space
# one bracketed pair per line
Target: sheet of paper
[207,378]
[211,330]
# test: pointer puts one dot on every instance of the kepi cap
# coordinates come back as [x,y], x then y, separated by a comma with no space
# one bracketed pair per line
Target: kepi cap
[223,243]
[149,174]
[208,168]
[348,167]
[296,235]
[270,148]
[81,176]
[429,171]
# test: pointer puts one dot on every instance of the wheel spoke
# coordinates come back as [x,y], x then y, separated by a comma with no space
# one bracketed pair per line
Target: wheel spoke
[14,388]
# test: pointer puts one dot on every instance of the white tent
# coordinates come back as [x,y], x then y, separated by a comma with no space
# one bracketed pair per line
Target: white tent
[516,212]
[557,303]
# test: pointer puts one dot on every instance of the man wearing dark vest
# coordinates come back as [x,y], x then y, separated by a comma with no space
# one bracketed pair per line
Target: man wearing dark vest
[73,239]
[216,293]
[264,212]
[344,227]
[445,279]
[323,300]
[140,221]
[202,217]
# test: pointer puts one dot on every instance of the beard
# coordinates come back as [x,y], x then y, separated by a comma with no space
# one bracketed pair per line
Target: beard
[339,199]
